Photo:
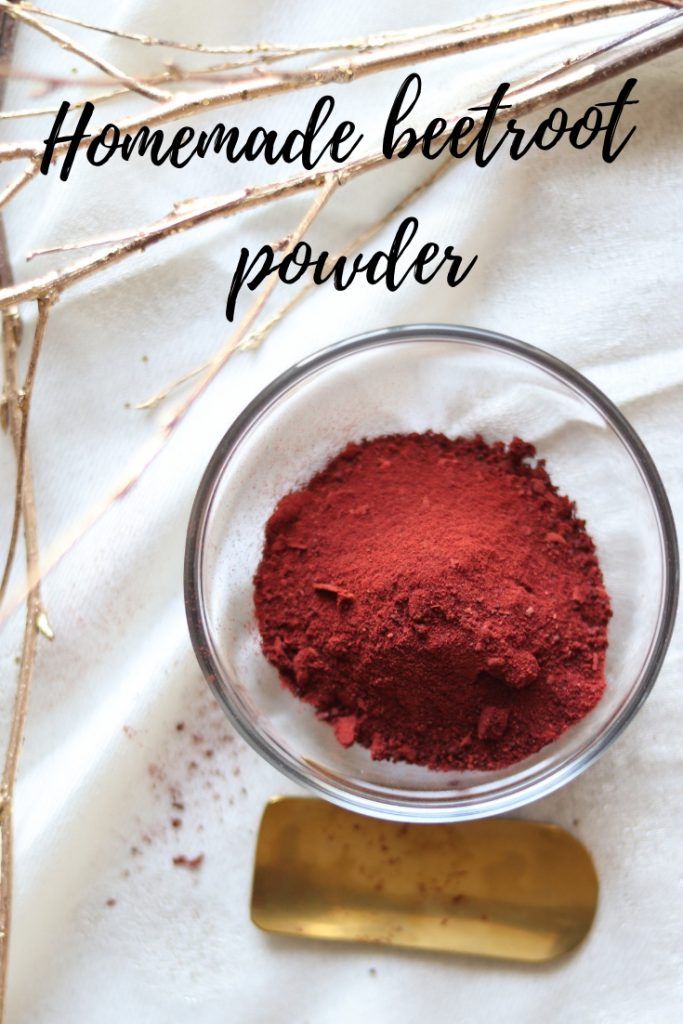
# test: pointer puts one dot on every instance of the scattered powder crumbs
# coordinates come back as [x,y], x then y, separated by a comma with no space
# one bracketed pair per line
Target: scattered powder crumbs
[198,755]
[111,902]
[192,863]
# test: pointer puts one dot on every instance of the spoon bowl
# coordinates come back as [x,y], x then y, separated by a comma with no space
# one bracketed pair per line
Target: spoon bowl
[513,890]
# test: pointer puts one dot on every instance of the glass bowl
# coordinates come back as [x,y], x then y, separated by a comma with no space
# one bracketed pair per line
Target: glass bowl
[458,381]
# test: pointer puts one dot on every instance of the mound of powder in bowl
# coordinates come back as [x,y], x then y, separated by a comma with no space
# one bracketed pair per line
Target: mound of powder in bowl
[436,601]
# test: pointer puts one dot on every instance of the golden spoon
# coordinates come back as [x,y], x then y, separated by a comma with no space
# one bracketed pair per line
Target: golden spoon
[498,888]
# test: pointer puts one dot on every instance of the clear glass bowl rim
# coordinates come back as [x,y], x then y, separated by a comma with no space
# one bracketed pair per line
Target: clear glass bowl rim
[412,809]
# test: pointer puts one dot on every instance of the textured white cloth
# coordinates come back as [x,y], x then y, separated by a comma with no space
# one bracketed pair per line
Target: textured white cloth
[578,257]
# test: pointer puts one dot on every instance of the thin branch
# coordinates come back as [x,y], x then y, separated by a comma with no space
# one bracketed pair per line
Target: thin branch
[15,186]
[565,80]
[11,337]
[341,72]
[172,75]
[264,50]
[17,11]
[49,80]
[260,48]
[11,326]
[160,396]
[23,400]
[196,212]
[102,97]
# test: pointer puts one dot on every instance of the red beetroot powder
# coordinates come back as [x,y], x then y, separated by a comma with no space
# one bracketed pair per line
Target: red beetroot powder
[436,601]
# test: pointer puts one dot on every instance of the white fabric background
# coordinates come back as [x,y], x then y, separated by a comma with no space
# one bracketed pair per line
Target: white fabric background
[577,257]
